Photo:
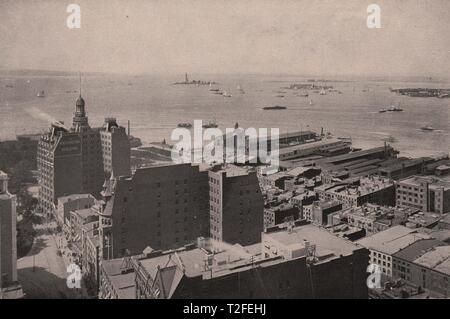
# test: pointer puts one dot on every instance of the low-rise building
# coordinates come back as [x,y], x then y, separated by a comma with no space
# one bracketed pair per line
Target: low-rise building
[425,263]
[426,193]
[67,204]
[280,214]
[374,218]
[372,189]
[320,212]
[384,244]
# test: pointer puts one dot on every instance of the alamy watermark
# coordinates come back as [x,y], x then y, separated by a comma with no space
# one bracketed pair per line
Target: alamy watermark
[236,146]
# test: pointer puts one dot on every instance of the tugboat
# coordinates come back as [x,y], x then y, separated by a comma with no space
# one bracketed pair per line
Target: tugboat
[276,107]
[225,94]
[427,128]
[41,94]
[185,125]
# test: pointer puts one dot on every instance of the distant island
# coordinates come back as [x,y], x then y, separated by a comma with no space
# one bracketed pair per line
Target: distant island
[423,92]
[195,82]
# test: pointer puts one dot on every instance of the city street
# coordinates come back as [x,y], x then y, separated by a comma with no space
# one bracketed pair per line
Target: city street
[42,272]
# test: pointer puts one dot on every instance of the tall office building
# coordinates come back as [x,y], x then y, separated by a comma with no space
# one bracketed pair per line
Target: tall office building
[9,287]
[159,207]
[115,148]
[236,205]
[78,159]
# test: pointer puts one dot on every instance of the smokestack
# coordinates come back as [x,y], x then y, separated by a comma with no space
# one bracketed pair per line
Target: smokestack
[129,128]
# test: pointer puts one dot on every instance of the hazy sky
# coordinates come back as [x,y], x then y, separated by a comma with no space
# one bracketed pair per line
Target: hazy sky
[245,36]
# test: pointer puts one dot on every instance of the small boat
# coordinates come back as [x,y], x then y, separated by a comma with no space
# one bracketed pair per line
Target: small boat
[210,124]
[311,102]
[389,139]
[41,94]
[382,111]
[279,95]
[427,128]
[213,89]
[323,92]
[185,125]
[9,86]
[240,89]
[276,107]
[304,94]
[225,94]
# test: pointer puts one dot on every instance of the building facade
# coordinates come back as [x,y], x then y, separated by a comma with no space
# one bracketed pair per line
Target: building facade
[236,205]
[281,267]
[9,286]
[72,160]
[161,207]
[372,189]
[427,193]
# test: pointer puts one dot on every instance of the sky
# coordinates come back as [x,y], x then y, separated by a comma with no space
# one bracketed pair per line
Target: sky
[323,37]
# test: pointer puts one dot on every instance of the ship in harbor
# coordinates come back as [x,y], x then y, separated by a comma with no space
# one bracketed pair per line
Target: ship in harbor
[210,124]
[392,108]
[427,128]
[276,107]
[193,82]
[225,94]
[185,125]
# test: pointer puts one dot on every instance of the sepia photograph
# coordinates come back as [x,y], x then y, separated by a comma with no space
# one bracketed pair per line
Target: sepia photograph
[224,154]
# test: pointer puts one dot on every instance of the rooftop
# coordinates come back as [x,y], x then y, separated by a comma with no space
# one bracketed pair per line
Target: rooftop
[392,240]
[306,146]
[232,170]
[433,181]
[85,213]
[225,258]
[326,243]
[68,198]
[122,277]
[417,249]
[437,259]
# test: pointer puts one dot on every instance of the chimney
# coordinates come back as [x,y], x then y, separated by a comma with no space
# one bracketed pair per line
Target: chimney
[129,128]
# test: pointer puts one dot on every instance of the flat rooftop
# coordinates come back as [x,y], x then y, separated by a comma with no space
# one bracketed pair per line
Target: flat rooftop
[325,242]
[392,240]
[437,259]
[306,146]
[432,180]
